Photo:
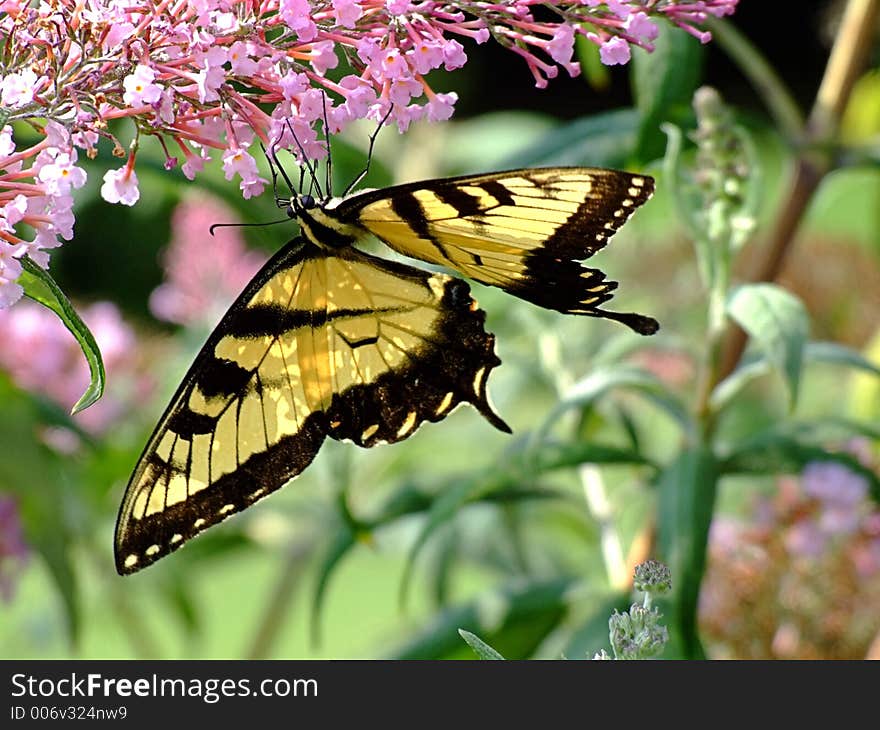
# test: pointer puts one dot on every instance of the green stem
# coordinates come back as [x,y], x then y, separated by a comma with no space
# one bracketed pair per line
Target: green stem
[278,605]
[848,57]
[769,85]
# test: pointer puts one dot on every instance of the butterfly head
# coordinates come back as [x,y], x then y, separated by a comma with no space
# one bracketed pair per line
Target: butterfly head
[299,203]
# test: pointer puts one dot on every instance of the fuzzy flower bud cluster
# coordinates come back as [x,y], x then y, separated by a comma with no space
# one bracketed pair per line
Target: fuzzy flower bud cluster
[211,77]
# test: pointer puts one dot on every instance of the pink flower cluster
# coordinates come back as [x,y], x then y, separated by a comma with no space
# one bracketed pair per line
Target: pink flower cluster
[42,356]
[203,75]
[801,579]
[203,273]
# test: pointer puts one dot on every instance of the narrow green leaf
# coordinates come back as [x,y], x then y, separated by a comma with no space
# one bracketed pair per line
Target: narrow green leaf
[593,70]
[480,647]
[594,386]
[442,510]
[777,322]
[343,541]
[566,455]
[834,353]
[755,365]
[515,619]
[687,491]
[778,453]
[601,140]
[663,83]
[41,287]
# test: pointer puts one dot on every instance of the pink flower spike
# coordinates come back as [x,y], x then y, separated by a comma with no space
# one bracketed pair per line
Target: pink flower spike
[615,51]
[121,186]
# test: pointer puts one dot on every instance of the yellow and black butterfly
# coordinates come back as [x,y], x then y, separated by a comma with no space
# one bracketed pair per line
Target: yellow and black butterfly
[330,341]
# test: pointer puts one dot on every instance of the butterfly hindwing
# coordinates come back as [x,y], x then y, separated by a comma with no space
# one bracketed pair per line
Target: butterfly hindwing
[523,231]
[320,343]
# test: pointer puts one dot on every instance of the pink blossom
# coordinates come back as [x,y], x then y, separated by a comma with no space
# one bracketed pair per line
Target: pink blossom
[17,89]
[323,56]
[10,270]
[614,51]
[453,55]
[121,186]
[203,273]
[212,74]
[238,161]
[62,174]
[561,47]
[426,56]
[640,26]
[347,12]
[43,357]
[215,74]
[440,107]
[139,86]
[7,145]
[297,16]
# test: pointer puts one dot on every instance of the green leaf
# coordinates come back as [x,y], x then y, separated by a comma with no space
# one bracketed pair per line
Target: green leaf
[514,619]
[663,83]
[566,455]
[480,647]
[601,381]
[41,287]
[442,510]
[834,353]
[601,140]
[771,452]
[755,365]
[777,322]
[687,491]
[596,73]
[343,541]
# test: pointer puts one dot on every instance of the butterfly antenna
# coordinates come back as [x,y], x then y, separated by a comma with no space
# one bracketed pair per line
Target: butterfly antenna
[274,166]
[363,173]
[246,225]
[329,169]
[306,161]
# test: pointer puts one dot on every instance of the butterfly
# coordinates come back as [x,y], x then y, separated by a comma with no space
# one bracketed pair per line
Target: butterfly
[330,342]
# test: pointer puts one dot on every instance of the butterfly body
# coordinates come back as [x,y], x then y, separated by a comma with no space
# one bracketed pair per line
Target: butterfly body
[329,342]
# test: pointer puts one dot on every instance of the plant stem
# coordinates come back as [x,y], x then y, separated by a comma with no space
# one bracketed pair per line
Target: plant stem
[763,77]
[276,610]
[815,159]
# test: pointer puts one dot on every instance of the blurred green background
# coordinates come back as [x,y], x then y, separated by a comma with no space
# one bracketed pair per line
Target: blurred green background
[387,552]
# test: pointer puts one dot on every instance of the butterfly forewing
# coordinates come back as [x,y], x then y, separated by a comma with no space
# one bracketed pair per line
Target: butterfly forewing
[523,231]
[320,344]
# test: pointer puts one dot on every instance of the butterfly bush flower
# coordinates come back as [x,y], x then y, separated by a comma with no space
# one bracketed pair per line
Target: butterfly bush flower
[41,355]
[212,77]
[202,272]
